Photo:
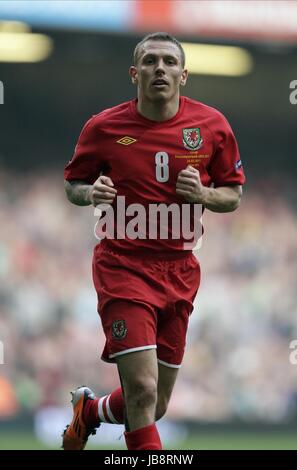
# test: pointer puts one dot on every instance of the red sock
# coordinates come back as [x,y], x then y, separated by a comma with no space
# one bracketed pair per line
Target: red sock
[146,438]
[108,409]
[90,413]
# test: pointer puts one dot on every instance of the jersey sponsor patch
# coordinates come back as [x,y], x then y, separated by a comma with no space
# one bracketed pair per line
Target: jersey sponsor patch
[192,139]
[238,165]
[126,140]
[119,330]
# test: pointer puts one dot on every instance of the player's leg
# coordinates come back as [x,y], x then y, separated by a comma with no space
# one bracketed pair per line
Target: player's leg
[111,408]
[148,386]
[166,379]
[90,412]
[139,376]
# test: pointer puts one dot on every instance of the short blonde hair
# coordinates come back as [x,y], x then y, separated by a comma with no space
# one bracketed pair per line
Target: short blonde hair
[160,36]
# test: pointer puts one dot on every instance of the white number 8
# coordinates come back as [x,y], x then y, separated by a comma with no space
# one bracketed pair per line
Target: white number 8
[162,168]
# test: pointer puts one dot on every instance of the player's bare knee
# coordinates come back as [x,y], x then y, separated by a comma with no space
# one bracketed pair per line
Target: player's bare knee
[141,394]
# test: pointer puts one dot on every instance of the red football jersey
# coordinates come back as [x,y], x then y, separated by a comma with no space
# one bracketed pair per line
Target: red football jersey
[143,159]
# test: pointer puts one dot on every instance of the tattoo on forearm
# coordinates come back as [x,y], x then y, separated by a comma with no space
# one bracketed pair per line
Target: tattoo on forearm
[78,192]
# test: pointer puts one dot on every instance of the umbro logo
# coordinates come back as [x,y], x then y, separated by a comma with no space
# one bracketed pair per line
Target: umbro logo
[126,140]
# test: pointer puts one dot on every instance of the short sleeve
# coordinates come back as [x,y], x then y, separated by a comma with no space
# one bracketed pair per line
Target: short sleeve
[86,163]
[226,166]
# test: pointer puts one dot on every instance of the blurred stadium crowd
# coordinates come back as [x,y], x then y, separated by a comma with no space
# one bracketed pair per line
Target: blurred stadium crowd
[237,360]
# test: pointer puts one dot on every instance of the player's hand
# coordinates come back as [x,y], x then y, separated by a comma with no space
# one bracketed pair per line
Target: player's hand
[102,191]
[189,185]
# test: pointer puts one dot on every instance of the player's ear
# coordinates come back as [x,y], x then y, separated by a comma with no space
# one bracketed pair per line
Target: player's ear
[184,77]
[133,74]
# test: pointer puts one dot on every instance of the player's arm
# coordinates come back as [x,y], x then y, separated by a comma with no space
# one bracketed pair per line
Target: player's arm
[84,181]
[83,194]
[220,199]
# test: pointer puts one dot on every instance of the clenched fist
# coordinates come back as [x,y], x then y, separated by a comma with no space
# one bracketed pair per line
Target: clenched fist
[189,185]
[102,191]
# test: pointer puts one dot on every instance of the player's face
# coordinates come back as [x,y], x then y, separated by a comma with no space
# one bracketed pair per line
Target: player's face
[158,73]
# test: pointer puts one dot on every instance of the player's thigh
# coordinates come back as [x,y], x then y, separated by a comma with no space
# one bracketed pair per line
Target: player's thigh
[138,371]
[166,379]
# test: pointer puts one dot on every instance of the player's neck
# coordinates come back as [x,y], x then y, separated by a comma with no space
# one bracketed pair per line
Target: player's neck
[160,111]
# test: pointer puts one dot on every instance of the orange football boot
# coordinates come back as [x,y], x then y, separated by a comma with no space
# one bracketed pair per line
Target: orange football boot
[77,432]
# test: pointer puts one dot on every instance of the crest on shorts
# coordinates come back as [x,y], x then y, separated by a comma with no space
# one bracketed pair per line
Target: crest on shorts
[192,138]
[119,329]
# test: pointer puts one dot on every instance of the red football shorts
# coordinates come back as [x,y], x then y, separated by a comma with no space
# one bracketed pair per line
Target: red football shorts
[145,302]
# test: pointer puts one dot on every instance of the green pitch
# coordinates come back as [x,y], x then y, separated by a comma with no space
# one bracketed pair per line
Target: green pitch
[201,441]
